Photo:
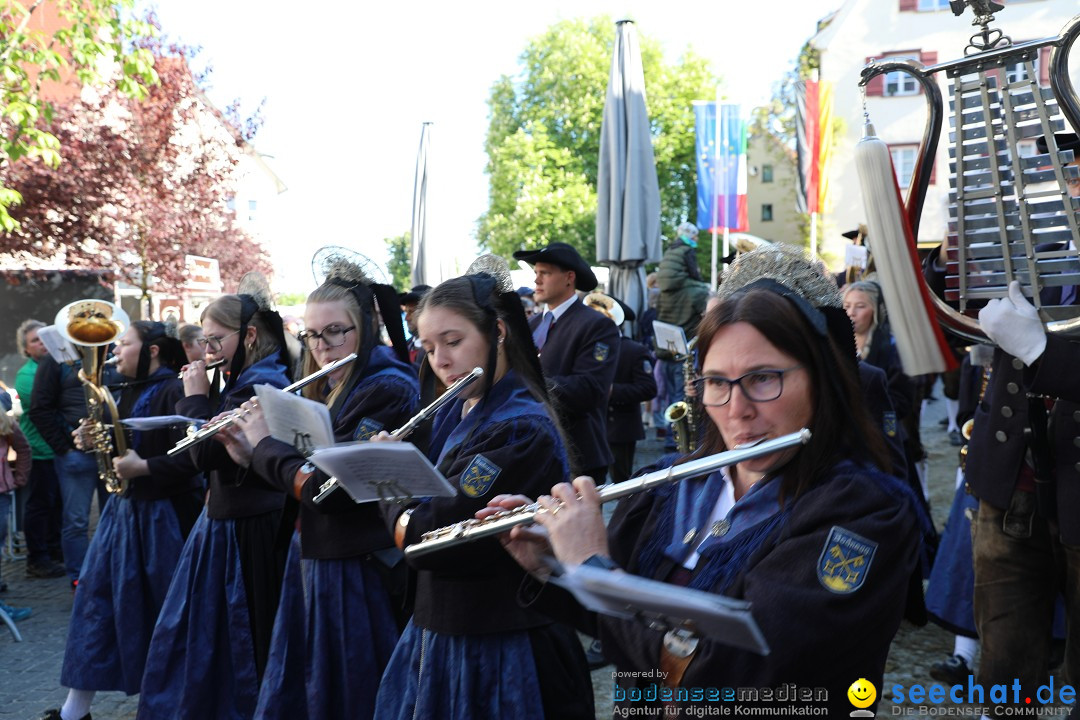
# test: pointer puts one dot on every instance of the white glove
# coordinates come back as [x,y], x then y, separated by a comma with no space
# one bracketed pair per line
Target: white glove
[1013,324]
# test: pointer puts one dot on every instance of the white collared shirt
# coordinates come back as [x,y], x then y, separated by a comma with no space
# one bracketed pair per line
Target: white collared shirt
[558,310]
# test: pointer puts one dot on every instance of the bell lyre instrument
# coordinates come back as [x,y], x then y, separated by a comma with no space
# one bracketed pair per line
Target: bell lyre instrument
[1011,215]
[414,422]
[473,529]
[211,429]
[93,325]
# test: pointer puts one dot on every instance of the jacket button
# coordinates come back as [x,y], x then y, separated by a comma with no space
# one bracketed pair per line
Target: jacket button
[1076,415]
[1018,363]
[1006,411]
[1001,436]
[1013,388]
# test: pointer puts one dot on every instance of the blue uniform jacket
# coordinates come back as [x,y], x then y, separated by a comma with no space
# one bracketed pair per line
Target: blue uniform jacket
[579,360]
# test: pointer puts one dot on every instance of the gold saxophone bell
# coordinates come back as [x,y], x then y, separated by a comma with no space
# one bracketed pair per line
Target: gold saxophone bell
[678,416]
[967,428]
[92,325]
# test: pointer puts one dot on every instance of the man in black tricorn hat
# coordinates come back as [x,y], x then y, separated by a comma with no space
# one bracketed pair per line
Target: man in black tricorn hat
[409,301]
[579,350]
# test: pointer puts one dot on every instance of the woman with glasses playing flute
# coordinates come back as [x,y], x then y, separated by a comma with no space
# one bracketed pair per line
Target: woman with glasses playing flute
[336,626]
[469,650]
[819,540]
[212,639]
[140,533]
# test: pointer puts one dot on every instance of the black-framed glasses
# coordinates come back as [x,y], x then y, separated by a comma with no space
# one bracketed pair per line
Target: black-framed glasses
[213,344]
[332,336]
[756,385]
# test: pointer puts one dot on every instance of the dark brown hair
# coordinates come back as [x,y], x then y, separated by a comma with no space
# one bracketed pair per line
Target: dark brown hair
[840,423]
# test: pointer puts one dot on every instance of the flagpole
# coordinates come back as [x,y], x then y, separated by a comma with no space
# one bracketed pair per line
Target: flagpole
[715,190]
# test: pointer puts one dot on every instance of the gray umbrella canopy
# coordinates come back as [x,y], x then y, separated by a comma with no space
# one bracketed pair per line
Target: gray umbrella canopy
[628,194]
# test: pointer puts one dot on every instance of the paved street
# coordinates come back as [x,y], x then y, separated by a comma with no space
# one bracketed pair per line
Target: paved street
[31,669]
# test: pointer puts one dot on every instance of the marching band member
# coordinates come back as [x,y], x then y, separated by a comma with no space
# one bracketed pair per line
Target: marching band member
[140,533]
[817,538]
[211,642]
[470,651]
[338,607]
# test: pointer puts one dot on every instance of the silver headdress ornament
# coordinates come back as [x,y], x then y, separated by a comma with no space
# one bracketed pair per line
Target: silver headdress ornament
[496,267]
[255,285]
[341,263]
[788,265]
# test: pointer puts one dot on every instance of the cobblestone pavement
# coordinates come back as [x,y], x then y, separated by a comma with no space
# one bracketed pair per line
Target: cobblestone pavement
[30,670]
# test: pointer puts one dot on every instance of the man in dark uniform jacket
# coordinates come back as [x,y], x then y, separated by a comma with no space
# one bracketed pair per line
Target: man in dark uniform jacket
[634,384]
[579,351]
[1023,464]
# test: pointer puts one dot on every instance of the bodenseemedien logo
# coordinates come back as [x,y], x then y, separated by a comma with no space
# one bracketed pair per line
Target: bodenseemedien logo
[862,695]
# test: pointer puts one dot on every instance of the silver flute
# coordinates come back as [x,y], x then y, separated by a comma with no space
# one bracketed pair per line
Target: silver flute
[216,364]
[414,422]
[473,529]
[211,429]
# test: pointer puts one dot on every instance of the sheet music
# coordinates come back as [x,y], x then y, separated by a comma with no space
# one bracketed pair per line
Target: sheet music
[160,421]
[371,471]
[669,337]
[61,350]
[619,594]
[855,256]
[298,421]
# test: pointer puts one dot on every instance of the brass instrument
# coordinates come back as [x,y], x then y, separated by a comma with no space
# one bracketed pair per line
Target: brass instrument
[473,529]
[680,415]
[92,326]
[211,429]
[414,422]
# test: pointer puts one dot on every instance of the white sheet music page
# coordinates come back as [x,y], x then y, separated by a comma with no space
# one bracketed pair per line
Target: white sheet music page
[302,423]
[371,471]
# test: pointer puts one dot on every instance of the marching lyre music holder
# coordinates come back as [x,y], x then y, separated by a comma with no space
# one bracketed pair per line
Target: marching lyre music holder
[1010,212]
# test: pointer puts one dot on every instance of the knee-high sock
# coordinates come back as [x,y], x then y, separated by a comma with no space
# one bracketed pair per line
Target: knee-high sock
[965,647]
[77,705]
[952,407]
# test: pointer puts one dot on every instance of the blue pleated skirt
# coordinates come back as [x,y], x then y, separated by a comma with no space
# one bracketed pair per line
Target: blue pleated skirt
[458,677]
[122,587]
[334,630]
[951,591]
[201,662]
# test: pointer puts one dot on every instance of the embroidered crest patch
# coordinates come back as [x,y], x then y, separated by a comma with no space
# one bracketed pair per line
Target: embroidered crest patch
[600,352]
[479,476]
[845,561]
[367,429]
[889,423]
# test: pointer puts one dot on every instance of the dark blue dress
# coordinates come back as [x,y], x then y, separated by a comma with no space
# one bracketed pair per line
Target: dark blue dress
[470,651]
[131,557]
[335,627]
[201,662]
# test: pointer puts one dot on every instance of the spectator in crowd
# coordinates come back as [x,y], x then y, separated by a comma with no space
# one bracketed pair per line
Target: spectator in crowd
[42,515]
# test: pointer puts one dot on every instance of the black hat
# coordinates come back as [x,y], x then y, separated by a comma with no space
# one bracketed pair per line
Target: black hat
[414,295]
[525,291]
[853,234]
[566,257]
[1064,141]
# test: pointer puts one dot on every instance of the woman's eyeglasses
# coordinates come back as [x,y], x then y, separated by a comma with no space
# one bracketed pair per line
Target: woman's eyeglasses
[756,386]
[332,336]
[213,344]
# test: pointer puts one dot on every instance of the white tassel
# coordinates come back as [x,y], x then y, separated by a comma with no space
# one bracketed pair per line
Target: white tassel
[918,336]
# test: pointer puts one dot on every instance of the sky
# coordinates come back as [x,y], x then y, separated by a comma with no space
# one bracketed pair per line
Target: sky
[349,84]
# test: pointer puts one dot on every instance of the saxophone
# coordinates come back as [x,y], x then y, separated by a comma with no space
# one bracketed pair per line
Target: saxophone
[680,415]
[92,326]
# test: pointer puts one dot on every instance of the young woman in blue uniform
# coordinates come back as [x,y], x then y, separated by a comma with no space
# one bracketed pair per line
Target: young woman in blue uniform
[140,533]
[213,635]
[335,626]
[818,539]
[470,651]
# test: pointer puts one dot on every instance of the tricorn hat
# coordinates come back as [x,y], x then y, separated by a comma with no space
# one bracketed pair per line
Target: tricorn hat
[860,231]
[566,257]
[606,305]
[414,295]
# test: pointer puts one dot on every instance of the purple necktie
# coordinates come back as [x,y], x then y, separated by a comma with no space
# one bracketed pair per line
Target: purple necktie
[541,332]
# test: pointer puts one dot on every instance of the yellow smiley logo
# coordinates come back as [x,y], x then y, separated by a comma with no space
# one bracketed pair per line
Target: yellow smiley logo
[862,693]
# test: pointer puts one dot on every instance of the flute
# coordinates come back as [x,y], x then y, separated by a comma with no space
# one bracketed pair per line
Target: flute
[216,364]
[414,422]
[209,430]
[500,522]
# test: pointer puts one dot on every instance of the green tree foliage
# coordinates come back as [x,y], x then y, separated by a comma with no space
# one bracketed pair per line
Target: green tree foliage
[95,39]
[543,140]
[398,264]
